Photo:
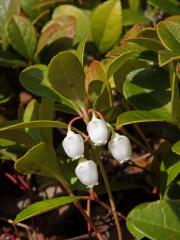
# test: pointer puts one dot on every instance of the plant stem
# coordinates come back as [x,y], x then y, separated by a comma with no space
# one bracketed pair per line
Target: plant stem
[108,189]
[65,185]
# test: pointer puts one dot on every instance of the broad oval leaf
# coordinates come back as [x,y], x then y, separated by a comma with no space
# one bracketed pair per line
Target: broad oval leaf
[82,19]
[41,160]
[22,36]
[61,27]
[44,206]
[67,76]
[156,220]
[107,24]
[148,89]
[35,80]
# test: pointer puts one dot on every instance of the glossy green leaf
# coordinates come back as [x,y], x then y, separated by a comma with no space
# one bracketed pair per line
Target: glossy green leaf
[169,6]
[80,49]
[106,30]
[130,17]
[41,160]
[148,89]
[61,27]
[67,76]
[98,95]
[22,36]
[46,112]
[82,19]
[165,57]
[148,43]
[124,69]
[7,9]
[28,7]
[17,135]
[175,97]
[176,148]
[170,166]
[140,116]
[35,80]
[121,55]
[44,206]
[156,220]
[168,32]
[31,113]
[33,124]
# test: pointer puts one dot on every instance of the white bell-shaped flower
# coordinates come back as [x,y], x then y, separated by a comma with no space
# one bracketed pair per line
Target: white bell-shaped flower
[120,147]
[98,131]
[87,173]
[73,145]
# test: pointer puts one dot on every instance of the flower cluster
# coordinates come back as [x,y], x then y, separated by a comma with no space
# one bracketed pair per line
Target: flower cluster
[98,131]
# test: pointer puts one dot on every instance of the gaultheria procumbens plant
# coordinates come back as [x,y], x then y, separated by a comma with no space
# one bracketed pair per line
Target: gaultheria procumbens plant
[137,82]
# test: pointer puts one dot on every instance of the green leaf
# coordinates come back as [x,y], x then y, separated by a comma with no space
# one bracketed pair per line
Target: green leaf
[130,17]
[46,112]
[17,135]
[31,113]
[106,30]
[22,36]
[176,148]
[82,19]
[35,79]
[80,49]
[41,160]
[168,32]
[124,69]
[121,55]
[98,95]
[170,166]
[7,9]
[148,89]
[44,206]
[61,27]
[140,116]
[157,220]
[175,98]
[28,7]
[169,6]
[165,56]
[97,85]
[67,76]
[33,124]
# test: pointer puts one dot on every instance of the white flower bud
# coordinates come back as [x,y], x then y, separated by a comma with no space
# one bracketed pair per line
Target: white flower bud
[73,145]
[98,131]
[87,173]
[120,147]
